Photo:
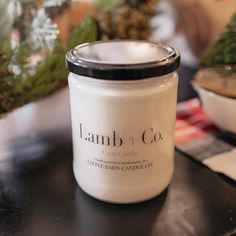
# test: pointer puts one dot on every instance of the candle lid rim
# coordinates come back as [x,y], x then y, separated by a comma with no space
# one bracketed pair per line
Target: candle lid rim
[79,65]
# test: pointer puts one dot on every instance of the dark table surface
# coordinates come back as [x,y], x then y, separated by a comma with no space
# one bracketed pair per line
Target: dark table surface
[39,197]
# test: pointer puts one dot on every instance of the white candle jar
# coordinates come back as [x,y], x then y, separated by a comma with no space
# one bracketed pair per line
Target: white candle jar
[123,108]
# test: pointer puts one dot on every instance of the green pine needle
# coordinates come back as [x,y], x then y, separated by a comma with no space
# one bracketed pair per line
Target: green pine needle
[223,53]
[51,74]
[86,32]
[106,5]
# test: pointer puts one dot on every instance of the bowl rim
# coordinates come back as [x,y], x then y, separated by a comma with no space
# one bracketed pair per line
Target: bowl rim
[211,93]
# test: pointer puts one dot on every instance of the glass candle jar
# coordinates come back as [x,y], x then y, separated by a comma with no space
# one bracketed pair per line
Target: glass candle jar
[123,108]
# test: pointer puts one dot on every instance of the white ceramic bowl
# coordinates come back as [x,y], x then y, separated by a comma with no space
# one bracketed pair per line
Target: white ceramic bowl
[220,110]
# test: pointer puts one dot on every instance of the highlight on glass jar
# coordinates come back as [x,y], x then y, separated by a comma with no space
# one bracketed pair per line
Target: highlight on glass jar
[123,106]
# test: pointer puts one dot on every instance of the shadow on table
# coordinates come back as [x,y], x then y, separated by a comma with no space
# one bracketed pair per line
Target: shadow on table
[213,199]
[37,186]
[105,219]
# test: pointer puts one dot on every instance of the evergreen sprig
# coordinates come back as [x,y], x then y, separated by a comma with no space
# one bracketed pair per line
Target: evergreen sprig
[51,74]
[222,54]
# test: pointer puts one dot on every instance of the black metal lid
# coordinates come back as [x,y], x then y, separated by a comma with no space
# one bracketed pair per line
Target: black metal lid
[122,59]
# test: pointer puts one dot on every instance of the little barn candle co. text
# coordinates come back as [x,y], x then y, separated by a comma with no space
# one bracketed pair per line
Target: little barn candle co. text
[148,136]
[123,166]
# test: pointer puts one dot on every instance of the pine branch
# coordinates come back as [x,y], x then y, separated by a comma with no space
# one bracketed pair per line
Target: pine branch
[223,53]
[51,74]
[86,32]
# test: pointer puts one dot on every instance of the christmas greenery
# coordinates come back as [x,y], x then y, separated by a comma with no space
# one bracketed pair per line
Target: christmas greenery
[222,55]
[15,90]
[21,84]
[32,59]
